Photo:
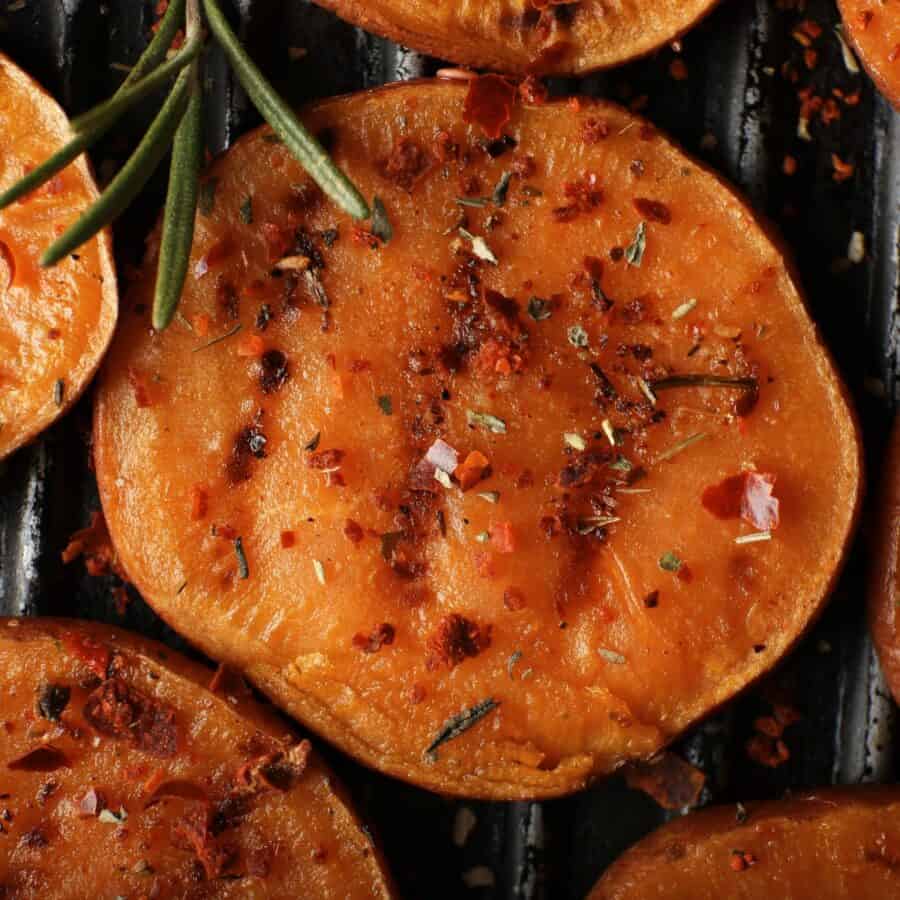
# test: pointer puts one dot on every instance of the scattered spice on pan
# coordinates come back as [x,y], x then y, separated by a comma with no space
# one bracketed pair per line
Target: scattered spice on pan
[460,724]
[671,781]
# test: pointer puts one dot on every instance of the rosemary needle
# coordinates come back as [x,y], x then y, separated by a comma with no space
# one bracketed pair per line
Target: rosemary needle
[302,145]
[181,208]
[130,180]
[149,59]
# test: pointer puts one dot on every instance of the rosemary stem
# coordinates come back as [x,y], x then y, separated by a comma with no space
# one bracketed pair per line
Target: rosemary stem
[154,53]
[130,180]
[303,146]
[181,199]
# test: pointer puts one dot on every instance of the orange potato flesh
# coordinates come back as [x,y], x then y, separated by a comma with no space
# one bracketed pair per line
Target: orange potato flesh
[55,324]
[884,590]
[873,26]
[573,38]
[178,774]
[832,845]
[501,600]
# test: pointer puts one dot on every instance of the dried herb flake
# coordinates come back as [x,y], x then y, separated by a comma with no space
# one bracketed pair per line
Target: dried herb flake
[460,724]
[634,252]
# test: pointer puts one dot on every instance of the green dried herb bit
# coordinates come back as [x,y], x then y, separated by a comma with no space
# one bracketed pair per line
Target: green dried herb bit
[489,496]
[578,337]
[243,565]
[473,202]
[381,224]
[502,189]
[219,339]
[108,817]
[681,311]
[512,662]
[247,211]
[311,445]
[612,657]
[634,252]
[319,569]
[539,310]
[460,724]
[486,420]
[682,445]
[669,562]
[207,202]
[575,441]
[59,391]
[386,405]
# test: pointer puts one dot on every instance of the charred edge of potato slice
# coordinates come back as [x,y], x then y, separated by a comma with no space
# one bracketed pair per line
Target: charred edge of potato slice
[815,845]
[883,584]
[877,67]
[483,52]
[507,779]
[73,381]
[77,688]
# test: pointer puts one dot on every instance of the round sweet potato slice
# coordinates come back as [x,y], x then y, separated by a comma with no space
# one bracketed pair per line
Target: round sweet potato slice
[55,324]
[884,589]
[572,37]
[464,492]
[130,771]
[835,844]
[873,27]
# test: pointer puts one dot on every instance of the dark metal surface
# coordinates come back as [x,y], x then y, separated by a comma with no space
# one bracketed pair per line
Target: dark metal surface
[738,111]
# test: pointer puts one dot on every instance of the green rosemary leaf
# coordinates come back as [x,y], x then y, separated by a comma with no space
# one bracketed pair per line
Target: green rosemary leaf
[181,208]
[151,57]
[681,381]
[460,724]
[302,145]
[129,94]
[381,224]
[130,180]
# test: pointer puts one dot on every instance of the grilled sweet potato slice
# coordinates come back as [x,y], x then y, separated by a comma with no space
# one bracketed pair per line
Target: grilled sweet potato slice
[873,27]
[884,585]
[55,324]
[464,491]
[835,844]
[129,771]
[563,37]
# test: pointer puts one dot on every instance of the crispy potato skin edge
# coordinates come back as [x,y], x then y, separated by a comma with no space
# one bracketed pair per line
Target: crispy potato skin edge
[506,787]
[458,51]
[107,262]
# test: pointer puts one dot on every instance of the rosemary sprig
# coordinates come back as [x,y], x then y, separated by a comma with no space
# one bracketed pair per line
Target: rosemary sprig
[180,119]
[181,199]
[302,145]
[150,58]
[130,180]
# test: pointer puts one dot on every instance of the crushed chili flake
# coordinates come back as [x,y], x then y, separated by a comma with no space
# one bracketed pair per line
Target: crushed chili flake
[456,640]
[671,781]
[199,502]
[94,655]
[653,210]
[353,531]
[489,103]
[748,496]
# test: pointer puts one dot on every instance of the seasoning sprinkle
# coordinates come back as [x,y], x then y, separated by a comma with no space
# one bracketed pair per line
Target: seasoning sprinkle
[490,496]
[480,247]
[243,566]
[703,380]
[207,201]
[247,211]
[539,309]
[311,445]
[108,817]
[502,189]
[513,662]
[634,252]
[611,434]
[578,337]
[681,311]
[683,445]
[754,538]
[386,405]
[669,562]
[381,224]
[460,724]
[473,202]
[647,391]
[59,391]
[575,441]
[612,657]
[486,420]
[319,569]
[443,479]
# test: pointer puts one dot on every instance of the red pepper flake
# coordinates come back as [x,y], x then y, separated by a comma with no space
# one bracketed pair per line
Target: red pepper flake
[842,170]
[117,710]
[748,496]
[471,471]
[95,545]
[252,346]
[381,636]
[199,502]
[514,599]
[456,640]
[94,655]
[196,829]
[533,90]
[141,391]
[489,104]
[503,538]
[406,164]
[669,780]
[288,539]
[742,860]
